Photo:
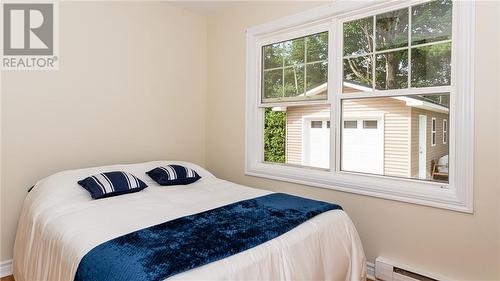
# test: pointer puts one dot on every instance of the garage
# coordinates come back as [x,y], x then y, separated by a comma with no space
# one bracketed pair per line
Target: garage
[316,146]
[363,145]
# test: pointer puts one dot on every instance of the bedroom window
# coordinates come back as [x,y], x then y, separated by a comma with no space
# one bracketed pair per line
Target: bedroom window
[389,60]
[352,99]
[294,78]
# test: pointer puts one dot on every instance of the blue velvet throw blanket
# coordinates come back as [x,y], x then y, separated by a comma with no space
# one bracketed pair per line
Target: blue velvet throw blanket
[160,251]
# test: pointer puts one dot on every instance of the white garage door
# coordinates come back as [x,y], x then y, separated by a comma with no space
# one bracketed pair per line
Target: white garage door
[316,151]
[363,146]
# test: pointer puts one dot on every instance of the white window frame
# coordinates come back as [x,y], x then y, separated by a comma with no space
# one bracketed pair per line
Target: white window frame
[445,131]
[433,131]
[456,195]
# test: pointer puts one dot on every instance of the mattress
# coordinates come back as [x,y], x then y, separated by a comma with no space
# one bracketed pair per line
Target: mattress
[60,223]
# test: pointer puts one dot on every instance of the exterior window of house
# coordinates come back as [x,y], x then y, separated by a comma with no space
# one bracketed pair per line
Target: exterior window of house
[433,132]
[316,124]
[353,98]
[348,124]
[296,70]
[445,131]
[387,54]
[370,124]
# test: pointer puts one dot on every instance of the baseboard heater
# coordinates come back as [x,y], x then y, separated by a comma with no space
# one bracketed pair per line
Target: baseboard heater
[388,271]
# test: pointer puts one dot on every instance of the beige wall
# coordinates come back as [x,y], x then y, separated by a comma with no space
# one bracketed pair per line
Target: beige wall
[460,246]
[131,87]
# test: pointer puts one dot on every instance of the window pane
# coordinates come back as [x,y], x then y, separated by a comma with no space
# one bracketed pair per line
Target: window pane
[286,65]
[358,36]
[294,81]
[431,65]
[392,30]
[274,136]
[317,47]
[370,124]
[273,83]
[294,51]
[392,70]
[316,124]
[431,22]
[272,56]
[395,138]
[317,75]
[349,124]
[298,135]
[357,74]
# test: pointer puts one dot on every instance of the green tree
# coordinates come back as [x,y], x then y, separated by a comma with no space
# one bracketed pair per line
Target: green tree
[286,64]
[431,22]
[274,136]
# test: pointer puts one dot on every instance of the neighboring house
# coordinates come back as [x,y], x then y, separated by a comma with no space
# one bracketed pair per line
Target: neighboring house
[394,136]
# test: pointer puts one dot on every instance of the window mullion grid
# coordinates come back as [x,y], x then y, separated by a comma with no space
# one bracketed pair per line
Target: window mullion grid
[335,71]
[391,50]
[357,55]
[374,45]
[409,46]
[295,65]
[394,49]
[432,43]
[305,65]
[283,71]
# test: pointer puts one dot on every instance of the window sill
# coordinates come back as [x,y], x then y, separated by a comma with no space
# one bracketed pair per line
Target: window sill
[433,194]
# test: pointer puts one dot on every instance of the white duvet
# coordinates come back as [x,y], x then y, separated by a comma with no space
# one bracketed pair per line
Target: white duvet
[60,223]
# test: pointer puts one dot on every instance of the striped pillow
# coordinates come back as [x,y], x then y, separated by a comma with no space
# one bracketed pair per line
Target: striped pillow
[173,175]
[111,184]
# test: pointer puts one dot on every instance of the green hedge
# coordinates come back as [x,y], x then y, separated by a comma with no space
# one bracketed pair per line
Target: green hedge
[274,136]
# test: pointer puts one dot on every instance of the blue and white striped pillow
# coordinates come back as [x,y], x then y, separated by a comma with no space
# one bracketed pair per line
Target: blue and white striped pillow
[173,175]
[111,184]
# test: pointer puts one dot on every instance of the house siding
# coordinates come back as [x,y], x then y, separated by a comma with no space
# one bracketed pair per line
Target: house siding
[396,118]
[432,152]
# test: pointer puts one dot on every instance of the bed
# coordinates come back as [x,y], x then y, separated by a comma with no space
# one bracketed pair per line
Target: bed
[60,223]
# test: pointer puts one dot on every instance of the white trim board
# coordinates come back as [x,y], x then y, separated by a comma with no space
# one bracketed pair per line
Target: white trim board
[5,268]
